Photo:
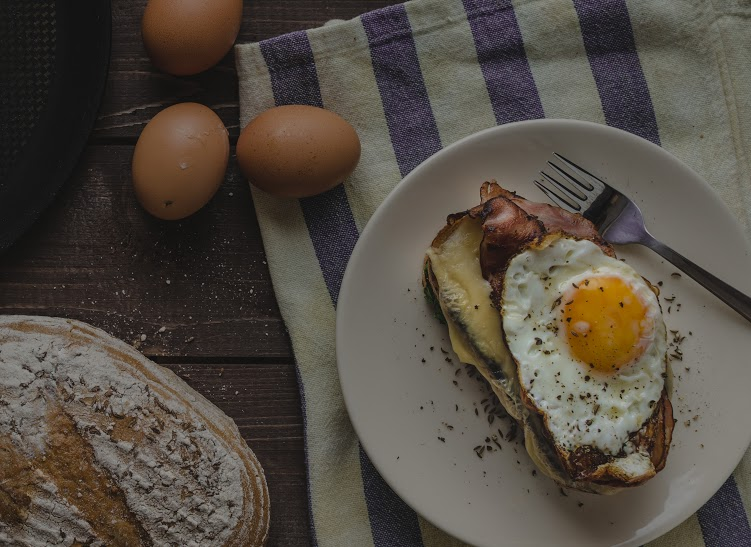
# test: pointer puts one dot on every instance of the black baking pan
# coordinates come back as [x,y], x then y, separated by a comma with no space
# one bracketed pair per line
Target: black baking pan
[54,56]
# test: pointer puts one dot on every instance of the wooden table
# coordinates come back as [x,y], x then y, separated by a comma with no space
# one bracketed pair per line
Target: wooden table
[95,255]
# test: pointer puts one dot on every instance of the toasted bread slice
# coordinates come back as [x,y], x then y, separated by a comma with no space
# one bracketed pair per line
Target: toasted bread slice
[463,277]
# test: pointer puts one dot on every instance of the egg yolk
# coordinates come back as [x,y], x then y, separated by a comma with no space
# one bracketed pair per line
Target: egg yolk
[605,323]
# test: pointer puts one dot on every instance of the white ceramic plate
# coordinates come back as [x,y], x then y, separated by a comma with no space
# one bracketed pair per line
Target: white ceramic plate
[400,405]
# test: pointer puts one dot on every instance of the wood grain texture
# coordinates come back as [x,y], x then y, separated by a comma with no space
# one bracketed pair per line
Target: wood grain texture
[136,90]
[96,256]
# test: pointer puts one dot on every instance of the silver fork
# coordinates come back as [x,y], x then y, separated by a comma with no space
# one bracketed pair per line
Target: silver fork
[620,221]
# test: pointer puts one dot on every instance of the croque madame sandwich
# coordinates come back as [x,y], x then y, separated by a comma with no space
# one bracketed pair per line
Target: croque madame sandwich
[570,338]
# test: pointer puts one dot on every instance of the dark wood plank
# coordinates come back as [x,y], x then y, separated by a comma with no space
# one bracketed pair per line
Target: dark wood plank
[97,256]
[264,402]
[136,91]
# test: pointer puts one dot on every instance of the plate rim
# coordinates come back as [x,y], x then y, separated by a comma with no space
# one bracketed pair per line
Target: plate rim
[416,174]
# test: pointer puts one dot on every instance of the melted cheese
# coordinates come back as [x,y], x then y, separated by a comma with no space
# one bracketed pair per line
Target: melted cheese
[474,324]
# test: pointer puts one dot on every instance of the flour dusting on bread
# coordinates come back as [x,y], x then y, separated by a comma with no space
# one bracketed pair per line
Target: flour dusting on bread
[100,446]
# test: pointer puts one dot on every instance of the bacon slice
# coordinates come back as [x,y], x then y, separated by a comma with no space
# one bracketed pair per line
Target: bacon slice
[507,229]
[511,222]
[553,218]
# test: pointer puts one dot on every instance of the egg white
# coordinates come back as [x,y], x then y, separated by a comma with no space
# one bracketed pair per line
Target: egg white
[581,407]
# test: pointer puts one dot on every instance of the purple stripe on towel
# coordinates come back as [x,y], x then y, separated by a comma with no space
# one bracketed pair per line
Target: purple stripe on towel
[609,41]
[332,227]
[500,52]
[294,79]
[303,405]
[333,232]
[394,524]
[414,133]
[723,519]
[414,138]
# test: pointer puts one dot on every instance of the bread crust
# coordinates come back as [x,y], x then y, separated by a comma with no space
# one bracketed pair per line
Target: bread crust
[123,450]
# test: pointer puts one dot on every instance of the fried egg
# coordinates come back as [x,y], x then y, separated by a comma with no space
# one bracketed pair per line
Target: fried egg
[587,334]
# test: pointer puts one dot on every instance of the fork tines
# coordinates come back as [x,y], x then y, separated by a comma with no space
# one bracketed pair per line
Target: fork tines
[569,185]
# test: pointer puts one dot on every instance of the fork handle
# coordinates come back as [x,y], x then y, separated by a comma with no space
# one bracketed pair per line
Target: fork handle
[732,297]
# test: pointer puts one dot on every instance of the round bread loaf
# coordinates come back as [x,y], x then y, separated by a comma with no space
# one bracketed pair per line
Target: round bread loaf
[100,446]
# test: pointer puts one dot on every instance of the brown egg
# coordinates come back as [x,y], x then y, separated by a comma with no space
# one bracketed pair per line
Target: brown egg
[297,151]
[185,37]
[180,160]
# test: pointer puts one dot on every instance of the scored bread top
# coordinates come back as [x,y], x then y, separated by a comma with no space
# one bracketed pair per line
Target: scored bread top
[100,446]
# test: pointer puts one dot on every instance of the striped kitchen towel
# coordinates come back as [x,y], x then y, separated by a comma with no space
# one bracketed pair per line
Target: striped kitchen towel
[415,77]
